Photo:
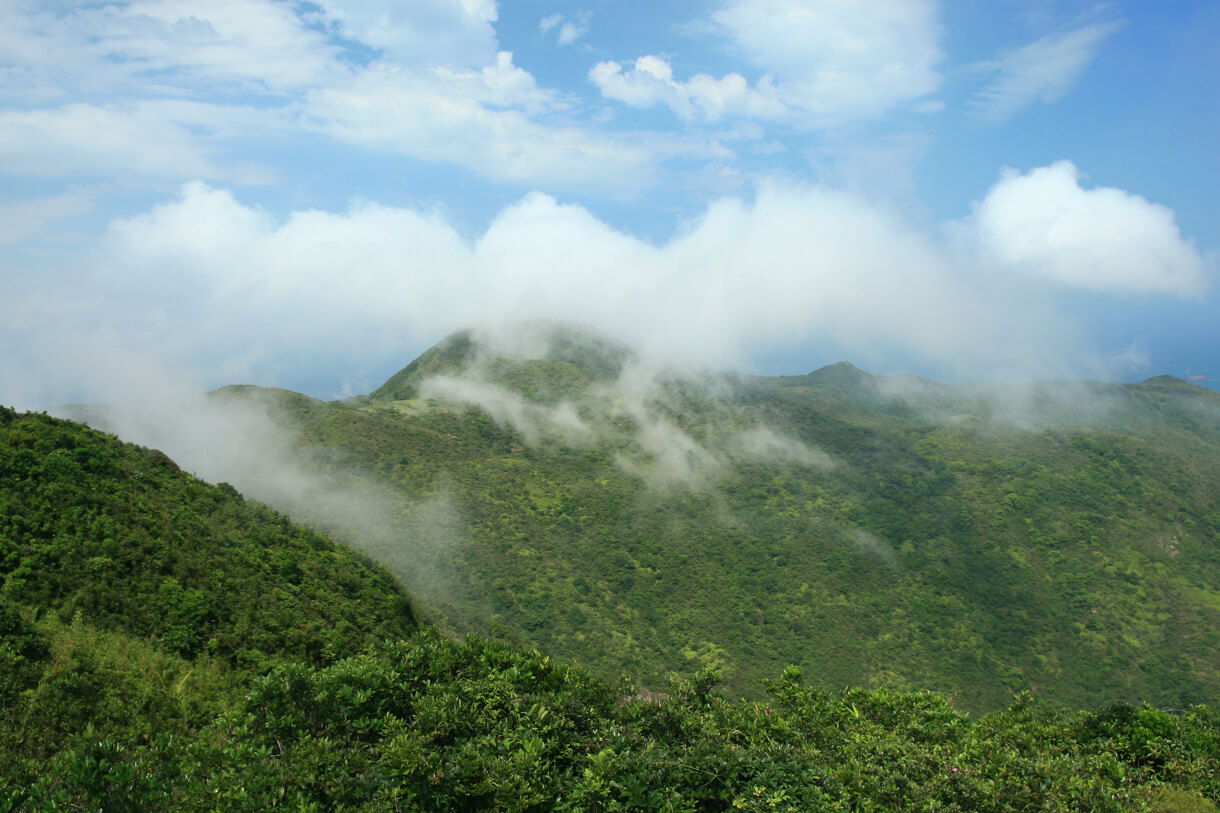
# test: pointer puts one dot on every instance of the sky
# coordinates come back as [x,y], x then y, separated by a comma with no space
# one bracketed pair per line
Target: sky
[309,194]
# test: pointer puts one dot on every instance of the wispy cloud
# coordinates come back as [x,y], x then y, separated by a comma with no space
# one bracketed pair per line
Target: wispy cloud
[1042,71]
[571,30]
[822,63]
[424,80]
[177,140]
[650,82]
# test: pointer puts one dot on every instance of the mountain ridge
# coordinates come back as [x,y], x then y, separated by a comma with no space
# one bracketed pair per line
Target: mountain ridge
[105,705]
[921,533]
[877,530]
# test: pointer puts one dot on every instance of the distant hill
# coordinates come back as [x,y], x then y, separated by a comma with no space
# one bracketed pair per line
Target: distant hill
[886,531]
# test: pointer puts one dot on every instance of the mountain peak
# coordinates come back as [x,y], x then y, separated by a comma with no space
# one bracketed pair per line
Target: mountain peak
[843,376]
[838,370]
[543,359]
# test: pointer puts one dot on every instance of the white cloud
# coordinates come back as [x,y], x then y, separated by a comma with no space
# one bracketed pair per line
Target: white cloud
[823,63]
[254,47]
[186,87]
[762,444]
[838,60]
[226,41]
[534,421]
[1042,71]
[206,281]
[570,31]
[421,32]
[86,139]
[650,82]
[153,89]
[1044,224]
[162,47]
[573,30]
[393,111]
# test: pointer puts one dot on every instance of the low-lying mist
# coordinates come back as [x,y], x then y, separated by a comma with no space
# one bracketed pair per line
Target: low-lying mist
[677,431]
[671,426]
[229,437]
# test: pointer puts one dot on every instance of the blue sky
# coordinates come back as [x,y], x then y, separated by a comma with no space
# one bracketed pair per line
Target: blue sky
[308,195]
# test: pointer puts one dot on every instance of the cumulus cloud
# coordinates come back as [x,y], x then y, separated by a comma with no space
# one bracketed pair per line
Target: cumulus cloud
[650,82]
[208,281]
[1042,71]
[822,63]
[1044,224]
[839,60]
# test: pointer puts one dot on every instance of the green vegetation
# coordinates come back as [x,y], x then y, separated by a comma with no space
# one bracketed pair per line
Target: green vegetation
[320,692]
[889,533]
[119,535]
[135,599]
[433,724]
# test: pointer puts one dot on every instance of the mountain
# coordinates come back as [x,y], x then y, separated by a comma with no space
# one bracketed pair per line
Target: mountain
[170,645]
[543,360]
[885,531]
[121,536]
[136,601]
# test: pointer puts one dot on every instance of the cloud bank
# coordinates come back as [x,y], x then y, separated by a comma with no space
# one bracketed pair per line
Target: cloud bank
[204,281]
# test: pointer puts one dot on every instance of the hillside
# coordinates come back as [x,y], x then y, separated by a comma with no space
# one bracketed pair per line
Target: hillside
[315,690]
[122,537]
[879,531]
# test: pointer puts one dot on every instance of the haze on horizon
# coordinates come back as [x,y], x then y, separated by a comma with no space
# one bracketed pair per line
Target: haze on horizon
[309,195]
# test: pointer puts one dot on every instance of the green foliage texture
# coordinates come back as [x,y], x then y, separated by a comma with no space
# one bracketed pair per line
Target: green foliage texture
[1061,539]
[107,705]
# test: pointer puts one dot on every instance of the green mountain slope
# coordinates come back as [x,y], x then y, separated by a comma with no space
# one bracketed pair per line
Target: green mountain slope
[108,703]
[121,536]
[551,360]
[1057,538]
